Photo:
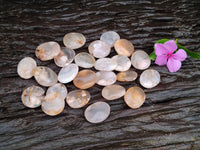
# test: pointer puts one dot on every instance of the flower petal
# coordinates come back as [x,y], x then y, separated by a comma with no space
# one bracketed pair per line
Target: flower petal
[161,60]
[160,49]
[180,55]
[173,65]
[170,45]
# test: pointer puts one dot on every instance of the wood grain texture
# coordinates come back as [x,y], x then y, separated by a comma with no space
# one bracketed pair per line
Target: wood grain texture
[170,117]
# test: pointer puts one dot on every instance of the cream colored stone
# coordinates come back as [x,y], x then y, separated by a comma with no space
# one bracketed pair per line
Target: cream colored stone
[74,40]
[45,76]
[78,98]
[112,92]
[97,112]
[140,60]
[105,64]
[47,51]
[149,78]
[25,67]
[84,60]
[85,79]
[127,76]
[123,62]
[124,47]
[110,37]
[32,96]
[105,78]
[65,57]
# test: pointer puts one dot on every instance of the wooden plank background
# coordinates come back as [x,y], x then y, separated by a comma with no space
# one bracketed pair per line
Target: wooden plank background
[170,117]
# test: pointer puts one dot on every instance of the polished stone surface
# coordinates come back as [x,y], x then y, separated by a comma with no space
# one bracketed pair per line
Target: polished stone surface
[123,62]
[68,73]
[127,76]
[84,60]
[99,49]
[25,67]
[78,98]
[74,40]
[140,60]
[47,51]
[110,37]
[45,76]
[57,88]
[149,78]
[105,64]
[124,47]
[112,92]
[65,57]
[97,112]
[134,97]
[53,104]
[105,78]
[85,79]
[32,96]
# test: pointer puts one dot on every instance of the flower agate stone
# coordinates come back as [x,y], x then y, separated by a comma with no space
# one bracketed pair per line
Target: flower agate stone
[25,67]
[65,57]
[105,78]
[140,60]
[105,64]
[110,37]
[149,78]
[127,76]
[124,47]
[123,62]
[53,104]
[99,49]
[57,88]
[47,51]
[85,79]
[112,92]
[74,40]
[78,98]
[84,60]
[134,97]
[68,73]
[97,112]
[32,96]
[45,76]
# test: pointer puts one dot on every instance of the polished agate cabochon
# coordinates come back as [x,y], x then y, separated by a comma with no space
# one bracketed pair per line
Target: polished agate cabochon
[124,47]
[68,73]
[25,67]
[149,78]
[105,78]
[78,98]
[112,92]
[53,104]
[134,97]
[99,49]
[85,79]
[105,64]
[110,37]
[65,57]
[140,60]
[123,62]
[127,76]
[84,60]
[32,96]
[57,88]
[47,51]
[45,76]
[74,40]
[97,112]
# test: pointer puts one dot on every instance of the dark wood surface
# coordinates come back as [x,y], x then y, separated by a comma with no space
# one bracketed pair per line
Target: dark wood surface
[170,117]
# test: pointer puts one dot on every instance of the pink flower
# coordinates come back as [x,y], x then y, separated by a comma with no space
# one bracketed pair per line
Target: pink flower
[165,55]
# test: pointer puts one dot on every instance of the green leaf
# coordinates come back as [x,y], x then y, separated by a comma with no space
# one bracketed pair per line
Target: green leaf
[152,56]
[189,53]
[162,41]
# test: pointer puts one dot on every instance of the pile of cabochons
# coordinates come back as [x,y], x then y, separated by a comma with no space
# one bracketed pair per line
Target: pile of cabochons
[53,102]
